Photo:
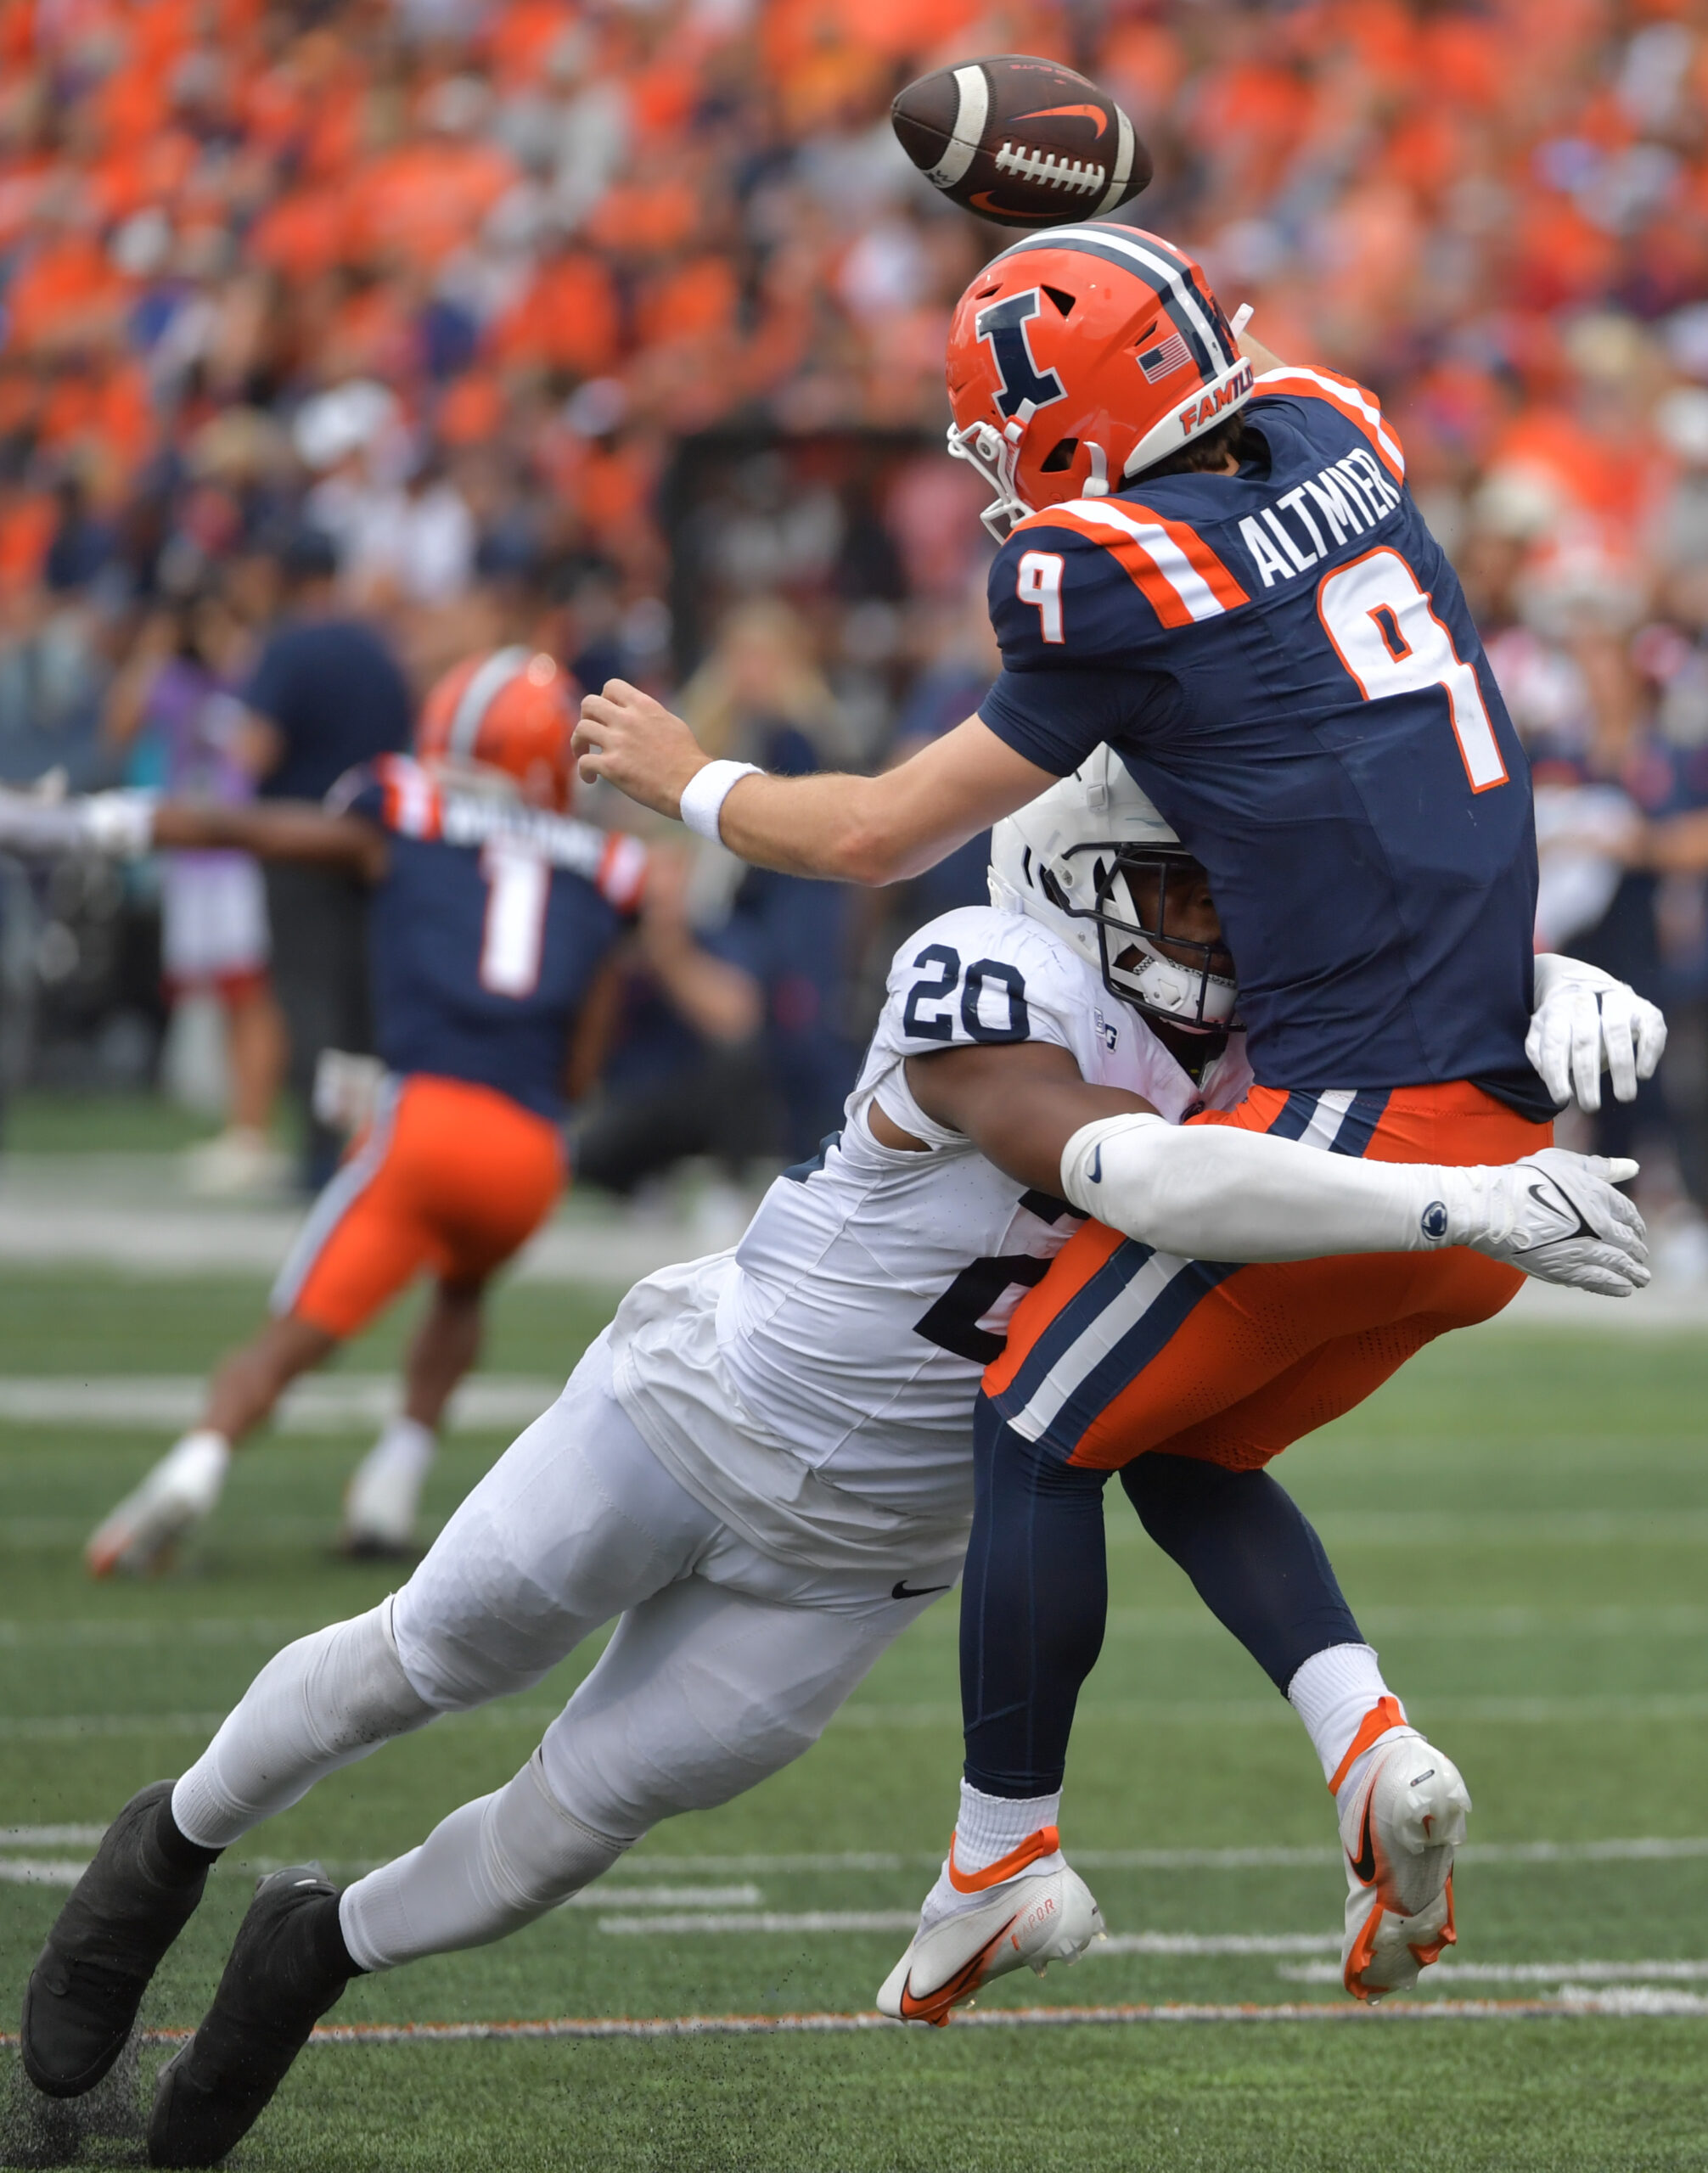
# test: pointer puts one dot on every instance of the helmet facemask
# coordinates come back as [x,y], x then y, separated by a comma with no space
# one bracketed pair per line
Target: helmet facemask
[1166,976]
[995,455]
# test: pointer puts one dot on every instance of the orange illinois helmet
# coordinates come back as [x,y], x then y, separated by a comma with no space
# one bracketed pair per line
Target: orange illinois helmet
[1081,357]
[510,709]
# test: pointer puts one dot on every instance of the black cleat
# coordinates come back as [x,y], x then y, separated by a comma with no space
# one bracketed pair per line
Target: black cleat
[125,1911]
[288,1966]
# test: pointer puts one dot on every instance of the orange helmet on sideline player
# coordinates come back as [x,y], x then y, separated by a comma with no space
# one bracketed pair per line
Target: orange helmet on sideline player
[510,709]
[1081,357]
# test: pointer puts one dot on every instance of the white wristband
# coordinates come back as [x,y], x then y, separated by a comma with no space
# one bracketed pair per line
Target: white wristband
[120,824]
[705,792]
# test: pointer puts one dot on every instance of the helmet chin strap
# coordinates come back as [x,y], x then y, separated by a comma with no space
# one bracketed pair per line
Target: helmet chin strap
[1096,485]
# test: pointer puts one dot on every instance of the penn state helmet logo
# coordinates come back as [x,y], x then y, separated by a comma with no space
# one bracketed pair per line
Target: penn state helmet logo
[1003,323]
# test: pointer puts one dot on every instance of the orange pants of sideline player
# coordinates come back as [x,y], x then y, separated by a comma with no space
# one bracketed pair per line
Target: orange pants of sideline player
[1275,1351]
[449,1176]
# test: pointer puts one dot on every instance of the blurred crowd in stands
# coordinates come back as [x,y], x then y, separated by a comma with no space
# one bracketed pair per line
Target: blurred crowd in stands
[616,326]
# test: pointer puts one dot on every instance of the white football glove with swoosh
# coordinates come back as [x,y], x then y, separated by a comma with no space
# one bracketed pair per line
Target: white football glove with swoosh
[1214,1192]
[1555,1215]
[1585,1019]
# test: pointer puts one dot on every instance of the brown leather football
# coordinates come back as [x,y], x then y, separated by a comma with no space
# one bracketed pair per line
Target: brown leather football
[1025,142]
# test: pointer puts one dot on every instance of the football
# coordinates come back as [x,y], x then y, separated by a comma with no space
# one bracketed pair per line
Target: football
[1022,141]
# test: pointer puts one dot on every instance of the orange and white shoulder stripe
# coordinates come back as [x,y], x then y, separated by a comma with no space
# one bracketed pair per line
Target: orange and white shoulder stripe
[621,875]
[413,805]
[1358,405]
[1169,562]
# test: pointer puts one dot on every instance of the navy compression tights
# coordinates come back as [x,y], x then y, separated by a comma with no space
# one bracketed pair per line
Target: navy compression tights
[1036,1588]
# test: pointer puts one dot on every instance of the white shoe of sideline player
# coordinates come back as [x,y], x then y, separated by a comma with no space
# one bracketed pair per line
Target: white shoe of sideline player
[1024,1912]
[381,1502]
[141,1533]
[1402,1806]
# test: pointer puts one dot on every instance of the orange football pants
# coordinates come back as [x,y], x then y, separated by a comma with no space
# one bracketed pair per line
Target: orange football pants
[1233,1363]
[449,1177]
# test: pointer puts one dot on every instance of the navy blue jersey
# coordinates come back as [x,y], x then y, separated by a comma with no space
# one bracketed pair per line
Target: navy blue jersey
[486,930]
[1285,661]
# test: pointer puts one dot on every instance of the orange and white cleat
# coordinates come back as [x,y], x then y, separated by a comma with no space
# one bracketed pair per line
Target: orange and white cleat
[141,1536]
[1400,1820]
[1026,1911]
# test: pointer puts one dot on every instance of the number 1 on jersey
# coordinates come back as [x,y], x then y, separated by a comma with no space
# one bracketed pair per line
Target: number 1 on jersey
[1385,632]
[518,886]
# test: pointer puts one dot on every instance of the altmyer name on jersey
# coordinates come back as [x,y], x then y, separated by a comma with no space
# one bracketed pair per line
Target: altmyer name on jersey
[1353,495]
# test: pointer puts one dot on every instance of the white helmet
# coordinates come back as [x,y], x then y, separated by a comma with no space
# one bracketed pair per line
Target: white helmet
[1066,858]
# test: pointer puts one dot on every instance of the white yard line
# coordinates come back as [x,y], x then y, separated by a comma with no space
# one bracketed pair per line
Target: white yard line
[1218,1943]
[1523,1973]
[1689,1706]
[760,1921]
[1638,1849]
[601,1897]
[1632,2002]
[128,1402]
[1218,1713]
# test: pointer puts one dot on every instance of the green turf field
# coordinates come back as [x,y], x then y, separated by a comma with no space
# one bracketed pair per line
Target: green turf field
[1522,1525]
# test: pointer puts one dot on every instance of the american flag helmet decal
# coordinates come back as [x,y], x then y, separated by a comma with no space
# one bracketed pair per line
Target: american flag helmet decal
[1162,362]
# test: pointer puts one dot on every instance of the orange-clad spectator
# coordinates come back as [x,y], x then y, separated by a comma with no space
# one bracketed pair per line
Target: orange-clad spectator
[107,413]
[67,296]
[528,43]
[337,117]
[17,33]
[1144,65]
[149,170]
[1559,256]
[820,65]
[646,218]
[426,197]
[693,301]
[27,520]
[1464,60]
[568,320]
[1248,118]
[472,411]
[373,334]
[663,96]
[1581,468]
[302,234]
[130,106]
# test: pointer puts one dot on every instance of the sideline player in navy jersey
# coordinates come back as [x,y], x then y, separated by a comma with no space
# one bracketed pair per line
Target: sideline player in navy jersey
[493,909]
[1213,563]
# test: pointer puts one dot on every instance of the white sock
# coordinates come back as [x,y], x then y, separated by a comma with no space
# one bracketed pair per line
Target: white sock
[406,1448]
[196,1465]
[323,1703]
[989,1828]
[491,1866]
[1331,1693]
[384,1489]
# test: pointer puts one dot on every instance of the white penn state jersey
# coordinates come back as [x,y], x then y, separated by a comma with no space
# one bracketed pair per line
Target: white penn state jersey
[815,1386]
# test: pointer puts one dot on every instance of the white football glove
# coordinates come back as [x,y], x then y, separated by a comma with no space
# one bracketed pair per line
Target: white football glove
[1556,1215]
[119,824]
[1214,1192]
[1584,1020]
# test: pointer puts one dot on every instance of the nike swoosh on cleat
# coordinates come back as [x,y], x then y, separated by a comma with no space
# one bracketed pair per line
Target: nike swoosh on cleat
[935,2005]
[1364,1863]
[902,1590]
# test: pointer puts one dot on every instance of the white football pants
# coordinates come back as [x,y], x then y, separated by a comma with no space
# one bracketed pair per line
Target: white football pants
[726,1665]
